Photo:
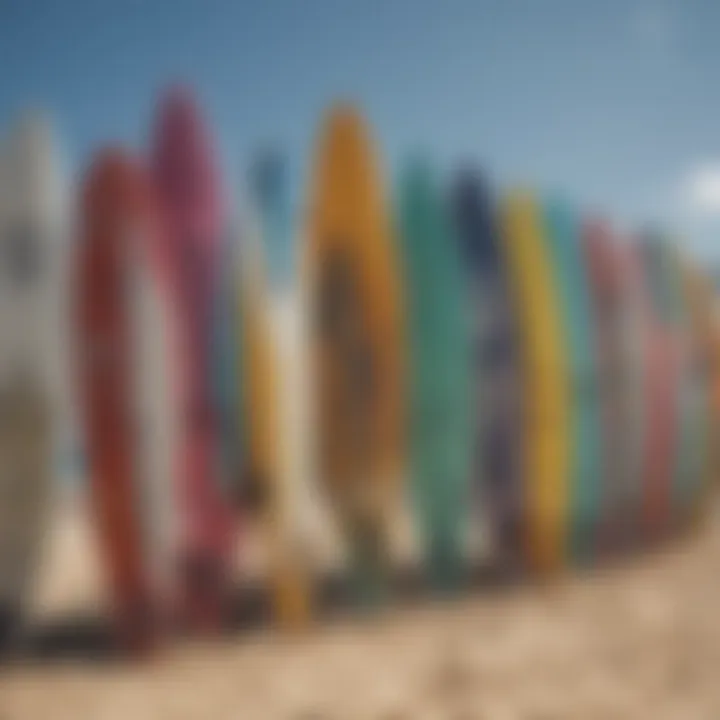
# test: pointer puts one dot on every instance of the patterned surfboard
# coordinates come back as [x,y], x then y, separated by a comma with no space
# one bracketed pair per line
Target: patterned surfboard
[496,487]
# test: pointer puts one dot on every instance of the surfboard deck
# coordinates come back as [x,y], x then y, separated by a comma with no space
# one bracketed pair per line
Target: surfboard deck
[31,226]
[689,428]
[608,289]
[497,392]
[693,292]
[356,344]
[661,398]
[545,422]
[118,226]
[274,467]
[439,363]
[632,340]
[564,243]
[191,201]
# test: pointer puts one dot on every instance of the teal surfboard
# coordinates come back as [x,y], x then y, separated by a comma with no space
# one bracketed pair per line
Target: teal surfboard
[439,372]
[566,253]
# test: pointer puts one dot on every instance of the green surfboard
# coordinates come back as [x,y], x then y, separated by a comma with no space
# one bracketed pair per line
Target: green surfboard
[439,372]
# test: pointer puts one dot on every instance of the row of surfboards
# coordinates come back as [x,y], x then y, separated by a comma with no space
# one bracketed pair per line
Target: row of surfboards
[508,366]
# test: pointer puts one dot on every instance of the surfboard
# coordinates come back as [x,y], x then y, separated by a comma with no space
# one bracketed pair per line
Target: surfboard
[270,360]
[608,283]
[496,471]
[660,368]
[31,224]
[696,421]
[226,371]
[545,422]
[128,386]
[440,407]
[356,345]
[564,244]
[675,323]
[193,209]
[631,377]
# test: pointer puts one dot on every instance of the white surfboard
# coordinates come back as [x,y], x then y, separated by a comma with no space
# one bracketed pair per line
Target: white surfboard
[32,236]
[275,395]
[157,442]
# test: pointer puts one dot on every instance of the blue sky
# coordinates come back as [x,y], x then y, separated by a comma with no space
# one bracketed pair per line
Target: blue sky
[615,103]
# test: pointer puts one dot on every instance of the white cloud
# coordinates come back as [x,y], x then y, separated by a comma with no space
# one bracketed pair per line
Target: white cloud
[701,190]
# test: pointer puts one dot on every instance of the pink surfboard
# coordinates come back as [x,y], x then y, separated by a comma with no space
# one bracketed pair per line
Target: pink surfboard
[190,198]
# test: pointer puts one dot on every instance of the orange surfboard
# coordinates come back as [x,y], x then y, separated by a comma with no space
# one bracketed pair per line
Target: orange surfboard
[355,344]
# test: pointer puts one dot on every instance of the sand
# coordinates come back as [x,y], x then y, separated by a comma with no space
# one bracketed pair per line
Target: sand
[639,640]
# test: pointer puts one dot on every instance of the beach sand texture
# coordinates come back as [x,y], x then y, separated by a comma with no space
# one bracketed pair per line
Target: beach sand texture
[638,640]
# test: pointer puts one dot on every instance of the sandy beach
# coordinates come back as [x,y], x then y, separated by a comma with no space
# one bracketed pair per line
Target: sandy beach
[638,640]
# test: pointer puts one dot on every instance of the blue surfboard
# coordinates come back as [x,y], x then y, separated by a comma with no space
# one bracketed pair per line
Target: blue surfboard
[497,479]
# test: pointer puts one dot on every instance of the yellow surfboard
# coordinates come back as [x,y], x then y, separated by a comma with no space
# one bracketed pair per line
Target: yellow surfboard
[264,435]
[545,411]
[355,344]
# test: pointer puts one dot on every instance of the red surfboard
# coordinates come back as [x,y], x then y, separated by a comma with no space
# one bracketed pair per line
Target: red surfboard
[635,352]
[188,187]
[660,389]
[120,233]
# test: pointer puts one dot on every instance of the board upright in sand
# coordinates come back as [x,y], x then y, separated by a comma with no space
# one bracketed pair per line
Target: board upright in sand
[191,201]
[564,244]
[440,398]
[496,373]
[607,289]
[356,342]
[702,329]
[31,235]
[661,388]
[632,338]
[127,383]
[270,361]
[545,422]
[689,425]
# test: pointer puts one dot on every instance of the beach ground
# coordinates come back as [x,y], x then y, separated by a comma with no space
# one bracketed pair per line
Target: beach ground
[638,640]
